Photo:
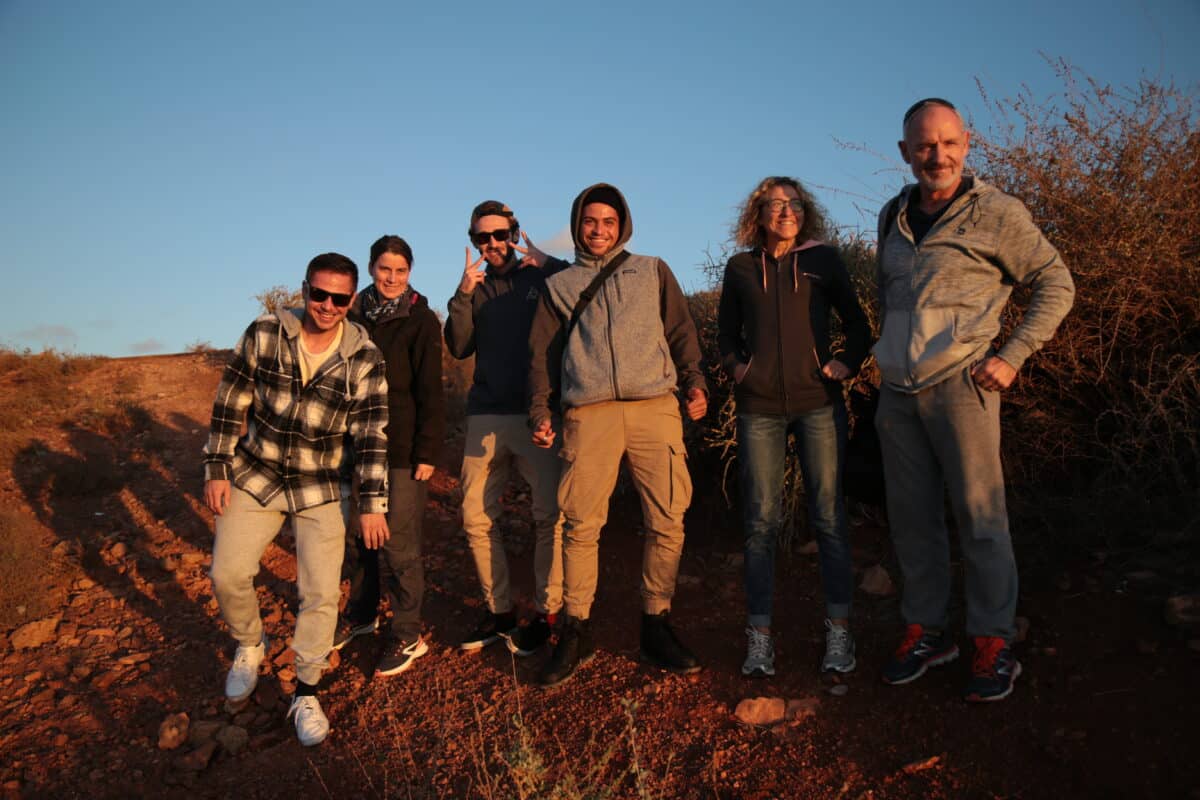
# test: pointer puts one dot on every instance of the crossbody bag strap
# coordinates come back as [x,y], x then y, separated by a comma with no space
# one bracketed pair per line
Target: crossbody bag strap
[586,296]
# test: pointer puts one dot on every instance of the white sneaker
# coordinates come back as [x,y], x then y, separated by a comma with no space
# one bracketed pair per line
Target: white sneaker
[760,655]
[839,649]
[312,726]
[243,675]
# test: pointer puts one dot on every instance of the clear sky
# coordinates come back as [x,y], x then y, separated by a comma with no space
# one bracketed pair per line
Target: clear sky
[161,162]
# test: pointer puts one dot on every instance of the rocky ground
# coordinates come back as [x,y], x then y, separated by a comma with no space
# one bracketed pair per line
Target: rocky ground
[110,684]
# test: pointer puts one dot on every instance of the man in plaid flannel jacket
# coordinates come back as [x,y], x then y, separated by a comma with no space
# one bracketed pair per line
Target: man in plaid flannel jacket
[316,392]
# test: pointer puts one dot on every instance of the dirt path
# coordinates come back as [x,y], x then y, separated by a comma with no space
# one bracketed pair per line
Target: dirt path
[1106,706]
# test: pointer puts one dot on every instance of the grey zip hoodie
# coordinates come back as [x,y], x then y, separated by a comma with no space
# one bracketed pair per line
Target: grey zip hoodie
[941,300]
[635,340]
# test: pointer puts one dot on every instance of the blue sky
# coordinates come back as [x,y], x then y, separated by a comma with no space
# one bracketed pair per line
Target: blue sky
[162,163]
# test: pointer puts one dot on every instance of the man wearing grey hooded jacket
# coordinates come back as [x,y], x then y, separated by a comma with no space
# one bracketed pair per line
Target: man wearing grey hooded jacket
[951,248]
[615,364]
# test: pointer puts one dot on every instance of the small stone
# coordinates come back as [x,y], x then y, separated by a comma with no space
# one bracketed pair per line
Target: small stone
[134,658]
[192,559]
[118,550]
[198,759]
[286,656]
[245,718]
[61,740]
[34,634]
[124,633]
[1180,611]
[107,679]
[33,676]
[287,674]
[335,659]
[204,730]
[876,581]
[169,563]
[1022,628]
[763,711]
[802,708]
[173,731]
[839,690]
[84,583]
[233,738]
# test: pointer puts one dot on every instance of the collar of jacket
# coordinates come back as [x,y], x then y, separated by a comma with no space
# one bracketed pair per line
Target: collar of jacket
[354,336]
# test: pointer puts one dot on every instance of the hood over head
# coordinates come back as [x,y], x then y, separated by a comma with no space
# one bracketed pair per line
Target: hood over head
[611,196]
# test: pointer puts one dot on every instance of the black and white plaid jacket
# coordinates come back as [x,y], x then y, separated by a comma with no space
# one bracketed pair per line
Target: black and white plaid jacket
[302,440]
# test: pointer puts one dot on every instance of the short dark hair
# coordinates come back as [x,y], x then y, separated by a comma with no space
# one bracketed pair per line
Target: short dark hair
[332,262]
[391,244]
[923,104]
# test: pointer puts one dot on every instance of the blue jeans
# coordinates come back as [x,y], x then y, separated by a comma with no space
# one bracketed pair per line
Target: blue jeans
[762,449]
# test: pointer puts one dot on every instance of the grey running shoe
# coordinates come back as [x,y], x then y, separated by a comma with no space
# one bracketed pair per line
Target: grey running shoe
[347,629]
[760,655]
[839,649]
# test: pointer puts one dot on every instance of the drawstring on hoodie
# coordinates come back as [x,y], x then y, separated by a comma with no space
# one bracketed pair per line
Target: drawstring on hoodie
[795,253]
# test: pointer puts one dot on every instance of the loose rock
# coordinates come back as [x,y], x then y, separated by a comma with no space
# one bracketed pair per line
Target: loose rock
[1180,611]
[764,711]
[198,759]
[802,708]
[233,738]
[204,730]
[34,634]
[876,581]
[173,731]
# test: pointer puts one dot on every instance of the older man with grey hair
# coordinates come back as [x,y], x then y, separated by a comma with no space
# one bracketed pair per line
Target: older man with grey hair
[951,248]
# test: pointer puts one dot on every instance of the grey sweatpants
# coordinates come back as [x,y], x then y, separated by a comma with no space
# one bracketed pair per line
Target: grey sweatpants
[948,437]
[243,532]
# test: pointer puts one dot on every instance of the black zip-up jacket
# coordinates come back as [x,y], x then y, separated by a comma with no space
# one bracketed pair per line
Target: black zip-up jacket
[411,343]
[492,323]
[774,316]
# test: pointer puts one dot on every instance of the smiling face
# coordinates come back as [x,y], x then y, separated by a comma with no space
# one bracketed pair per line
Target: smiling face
[390,271]
[781,214]
[497,248]
[599,228]
[935,146]
[325,315]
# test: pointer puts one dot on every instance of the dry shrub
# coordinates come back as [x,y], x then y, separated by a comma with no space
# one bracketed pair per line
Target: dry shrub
[31,382]
[1104,421]
[278,298]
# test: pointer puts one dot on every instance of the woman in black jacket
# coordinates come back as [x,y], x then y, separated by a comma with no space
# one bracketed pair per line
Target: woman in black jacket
[774,337]
[408,332]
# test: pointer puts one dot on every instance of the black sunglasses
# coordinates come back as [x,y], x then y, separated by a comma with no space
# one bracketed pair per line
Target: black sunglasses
[483,237]
[320,296]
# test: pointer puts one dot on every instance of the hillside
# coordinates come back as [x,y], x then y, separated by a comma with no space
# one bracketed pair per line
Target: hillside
[105,550]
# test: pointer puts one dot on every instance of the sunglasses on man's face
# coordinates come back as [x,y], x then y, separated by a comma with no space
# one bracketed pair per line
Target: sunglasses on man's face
[320,296]
[483,237]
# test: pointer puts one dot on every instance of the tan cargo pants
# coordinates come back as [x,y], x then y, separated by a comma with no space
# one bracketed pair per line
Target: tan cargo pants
[649,434]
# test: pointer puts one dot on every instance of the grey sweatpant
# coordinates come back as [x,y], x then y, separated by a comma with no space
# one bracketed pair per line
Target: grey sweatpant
[948,437]
[243,532]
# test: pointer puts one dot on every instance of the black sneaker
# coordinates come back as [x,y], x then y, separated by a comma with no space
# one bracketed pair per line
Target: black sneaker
[528,640]
[347,629]
[399,655]
[574,647]
[662,648]
[489,630]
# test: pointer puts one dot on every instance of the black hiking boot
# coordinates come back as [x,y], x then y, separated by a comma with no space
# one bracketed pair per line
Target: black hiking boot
[574,647]
[662,648]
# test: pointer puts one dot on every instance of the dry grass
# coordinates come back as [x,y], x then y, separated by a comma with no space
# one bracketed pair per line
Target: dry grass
[25,569]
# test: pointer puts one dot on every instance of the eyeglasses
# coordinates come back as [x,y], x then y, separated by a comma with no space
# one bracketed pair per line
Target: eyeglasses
[928,101]
[320,296]
[775,206]
[483,237]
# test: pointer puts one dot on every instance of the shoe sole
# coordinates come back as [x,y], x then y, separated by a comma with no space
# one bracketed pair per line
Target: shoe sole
[977,698]
[471,647]
[361,630]
[403,667]
[570,674]
[843,668]
[759,672]
[647,659]
[933,662]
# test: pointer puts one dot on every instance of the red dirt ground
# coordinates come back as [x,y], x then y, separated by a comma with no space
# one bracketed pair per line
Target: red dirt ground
[1106,707]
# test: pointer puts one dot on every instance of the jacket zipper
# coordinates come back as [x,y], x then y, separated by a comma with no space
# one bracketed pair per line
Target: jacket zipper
[612,351]
[779,340]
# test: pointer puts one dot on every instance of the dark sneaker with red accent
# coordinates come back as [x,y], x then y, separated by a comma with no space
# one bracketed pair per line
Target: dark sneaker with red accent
[920,650]
[490,629]
[993,671]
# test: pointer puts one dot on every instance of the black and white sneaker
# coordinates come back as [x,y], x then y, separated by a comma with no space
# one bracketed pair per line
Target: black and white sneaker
[400,655]
[528,640]
[347,629]
[489,630]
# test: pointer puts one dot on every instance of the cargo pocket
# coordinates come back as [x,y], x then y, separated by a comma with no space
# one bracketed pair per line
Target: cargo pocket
[681,480]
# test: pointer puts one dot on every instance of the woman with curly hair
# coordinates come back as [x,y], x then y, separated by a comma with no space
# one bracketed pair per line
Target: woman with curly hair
[775,342]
